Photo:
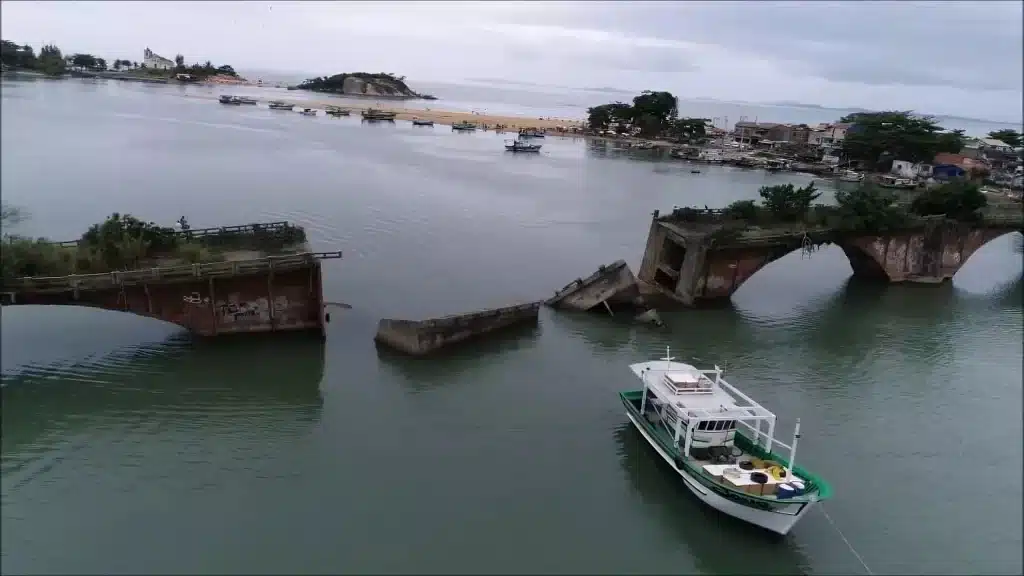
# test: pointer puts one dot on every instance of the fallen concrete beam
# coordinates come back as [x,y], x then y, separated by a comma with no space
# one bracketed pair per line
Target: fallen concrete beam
[420,337]
[610,286]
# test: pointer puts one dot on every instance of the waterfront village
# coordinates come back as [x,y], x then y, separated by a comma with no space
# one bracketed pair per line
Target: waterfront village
[892,149]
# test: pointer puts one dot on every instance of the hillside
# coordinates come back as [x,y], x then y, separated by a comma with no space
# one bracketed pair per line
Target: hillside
[363,84]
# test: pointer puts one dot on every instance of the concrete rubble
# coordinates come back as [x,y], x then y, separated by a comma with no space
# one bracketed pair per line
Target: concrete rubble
[421,337]
[612,288]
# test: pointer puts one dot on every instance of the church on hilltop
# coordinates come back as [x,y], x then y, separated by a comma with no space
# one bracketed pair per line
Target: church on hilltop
[153,60]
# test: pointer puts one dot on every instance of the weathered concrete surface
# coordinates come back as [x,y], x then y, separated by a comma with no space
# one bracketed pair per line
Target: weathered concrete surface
[929,257]
[687,264]
[425,336]
[614,284]
[263,300]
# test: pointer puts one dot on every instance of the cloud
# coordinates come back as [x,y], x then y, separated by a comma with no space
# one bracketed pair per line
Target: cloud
[941,57]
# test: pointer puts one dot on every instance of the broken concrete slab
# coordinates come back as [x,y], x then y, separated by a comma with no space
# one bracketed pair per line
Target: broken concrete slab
[611,285]
[421,337]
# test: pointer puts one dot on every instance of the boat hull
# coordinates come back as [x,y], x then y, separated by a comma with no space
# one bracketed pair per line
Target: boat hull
[779,519]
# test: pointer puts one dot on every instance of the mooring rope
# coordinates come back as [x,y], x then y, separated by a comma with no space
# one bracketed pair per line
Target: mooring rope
[848,545]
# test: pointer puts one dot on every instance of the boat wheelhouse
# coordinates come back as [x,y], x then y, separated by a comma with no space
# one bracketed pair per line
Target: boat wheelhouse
[307,112]
[722,443]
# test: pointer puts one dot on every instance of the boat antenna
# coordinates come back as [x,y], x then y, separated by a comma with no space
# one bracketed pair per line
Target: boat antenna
[668,358]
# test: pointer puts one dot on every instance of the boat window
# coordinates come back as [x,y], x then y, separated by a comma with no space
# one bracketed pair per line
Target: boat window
[720,425]
[702,426]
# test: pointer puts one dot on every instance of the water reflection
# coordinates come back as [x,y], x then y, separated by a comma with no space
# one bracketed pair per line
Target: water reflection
[446,365]
[221,386]
[712,538]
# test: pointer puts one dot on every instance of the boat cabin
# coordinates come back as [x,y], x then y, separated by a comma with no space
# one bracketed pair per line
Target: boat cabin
[700,409]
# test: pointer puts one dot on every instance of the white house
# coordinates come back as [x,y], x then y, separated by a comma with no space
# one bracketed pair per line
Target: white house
[999,145]
[906,169]
[153,60]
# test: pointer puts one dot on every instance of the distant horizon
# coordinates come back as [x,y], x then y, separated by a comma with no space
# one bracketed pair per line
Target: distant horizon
[626,91]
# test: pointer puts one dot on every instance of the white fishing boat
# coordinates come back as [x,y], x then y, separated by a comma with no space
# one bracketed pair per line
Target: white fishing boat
[307,112]
[888,181]
[712,435]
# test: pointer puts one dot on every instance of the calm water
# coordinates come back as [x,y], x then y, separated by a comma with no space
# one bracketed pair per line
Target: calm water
[128,448]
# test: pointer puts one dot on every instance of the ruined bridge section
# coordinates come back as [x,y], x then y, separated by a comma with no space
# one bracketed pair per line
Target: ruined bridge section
[686,261]
[275,293]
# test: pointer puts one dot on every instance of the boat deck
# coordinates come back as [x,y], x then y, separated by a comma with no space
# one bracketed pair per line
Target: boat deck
[727,474]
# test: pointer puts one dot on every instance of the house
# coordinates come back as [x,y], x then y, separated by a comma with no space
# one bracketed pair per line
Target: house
[828,135]
[153,60]
[906,169]
[945,172]
[960,160]
[753,132]
[997,145]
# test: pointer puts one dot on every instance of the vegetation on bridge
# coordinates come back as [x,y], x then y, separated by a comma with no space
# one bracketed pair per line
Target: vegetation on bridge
[123,242]
[866,209]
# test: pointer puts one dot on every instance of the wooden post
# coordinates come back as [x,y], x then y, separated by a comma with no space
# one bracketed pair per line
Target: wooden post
[149,300]
[213,307]
[270,297]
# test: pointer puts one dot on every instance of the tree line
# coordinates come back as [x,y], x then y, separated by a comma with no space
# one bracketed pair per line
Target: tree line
[53,62]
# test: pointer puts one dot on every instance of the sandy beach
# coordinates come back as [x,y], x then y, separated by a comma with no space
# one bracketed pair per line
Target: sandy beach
[444,116]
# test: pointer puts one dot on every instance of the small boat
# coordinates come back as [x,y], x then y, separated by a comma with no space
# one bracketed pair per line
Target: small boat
[278,105]
[418,122]
[228,99]
[307,112]
[520,146]
[464,126]
[776,165]
[645,146]
[246,100]
[375,114]
[711,434]
[694,171]
[530,133]
[336,111]
[888,181]
[851,176]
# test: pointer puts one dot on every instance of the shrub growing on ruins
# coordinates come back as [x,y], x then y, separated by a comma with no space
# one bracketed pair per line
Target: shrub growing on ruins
[742,210]
[787,202]
[867,208]
[957,200]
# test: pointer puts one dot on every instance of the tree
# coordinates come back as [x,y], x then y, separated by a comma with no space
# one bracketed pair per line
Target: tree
[957,200]
[135,65]
[51,61]
[17,56]
[101,64]
[117,65]
[867,208]
[653,111]
[694,130]
[1008,136]
[179,61]
[902,135]
[599,117]
[227,70]
[84,60]
[786,202]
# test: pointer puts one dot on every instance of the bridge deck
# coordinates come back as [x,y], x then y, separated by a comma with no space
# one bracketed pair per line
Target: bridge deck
[166,274]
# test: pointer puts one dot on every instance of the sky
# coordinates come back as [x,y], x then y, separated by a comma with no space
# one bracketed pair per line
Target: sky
[945,58]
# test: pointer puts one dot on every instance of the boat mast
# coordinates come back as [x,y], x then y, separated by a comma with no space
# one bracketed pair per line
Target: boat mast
[792,450]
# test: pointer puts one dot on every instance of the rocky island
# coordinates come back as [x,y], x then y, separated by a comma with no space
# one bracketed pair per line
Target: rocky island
[358,84]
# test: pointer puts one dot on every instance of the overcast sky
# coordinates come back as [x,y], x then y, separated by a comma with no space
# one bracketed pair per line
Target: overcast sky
[947,58]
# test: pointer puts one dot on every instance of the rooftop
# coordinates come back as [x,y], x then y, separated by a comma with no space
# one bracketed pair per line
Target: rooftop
[694,392]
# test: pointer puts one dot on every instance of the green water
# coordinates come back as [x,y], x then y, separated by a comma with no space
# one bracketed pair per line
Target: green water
[129,448]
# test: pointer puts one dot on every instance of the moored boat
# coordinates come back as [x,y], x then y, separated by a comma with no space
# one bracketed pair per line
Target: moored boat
[228,99]
[278,105]
[418,122]
[851,176]
[520,146]
[530,133]
[307,112]
[336,111]
[464,126]
[245,100]
[711,434]
[375,114]
[888,181]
